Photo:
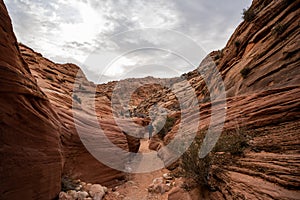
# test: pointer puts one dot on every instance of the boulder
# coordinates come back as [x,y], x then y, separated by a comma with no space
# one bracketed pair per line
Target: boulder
[82,195]
[97,191]
[64,196]
[73,194]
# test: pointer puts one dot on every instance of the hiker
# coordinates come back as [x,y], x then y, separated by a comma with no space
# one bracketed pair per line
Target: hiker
[150,129]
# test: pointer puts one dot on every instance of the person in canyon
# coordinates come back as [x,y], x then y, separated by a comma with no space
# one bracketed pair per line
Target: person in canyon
[150,129]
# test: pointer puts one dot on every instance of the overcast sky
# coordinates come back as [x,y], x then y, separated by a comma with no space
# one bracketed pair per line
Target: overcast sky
[116,39]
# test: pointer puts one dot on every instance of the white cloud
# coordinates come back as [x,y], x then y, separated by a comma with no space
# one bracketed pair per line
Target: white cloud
[117,68]
[69,29]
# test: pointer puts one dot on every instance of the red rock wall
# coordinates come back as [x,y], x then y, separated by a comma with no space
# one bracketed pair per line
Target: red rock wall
[264,105]
[58,83]
[31,162]
[268,47]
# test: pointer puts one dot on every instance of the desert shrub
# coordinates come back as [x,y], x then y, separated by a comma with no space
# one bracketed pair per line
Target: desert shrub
[67,183]
[170,121]
[219,55]
[278,29]
[76,98]
[245,71]
[230,144]
[194,167]
[248,14]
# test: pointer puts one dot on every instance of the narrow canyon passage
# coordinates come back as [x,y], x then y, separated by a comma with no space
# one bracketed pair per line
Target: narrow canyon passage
[136,188]
[63,136]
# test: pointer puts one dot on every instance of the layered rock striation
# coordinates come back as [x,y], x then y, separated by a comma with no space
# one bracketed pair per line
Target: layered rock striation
[259,68]
[30,147]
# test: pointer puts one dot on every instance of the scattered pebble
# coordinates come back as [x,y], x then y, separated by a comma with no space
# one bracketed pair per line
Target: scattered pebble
[84,192]
[167,176]
[131,182]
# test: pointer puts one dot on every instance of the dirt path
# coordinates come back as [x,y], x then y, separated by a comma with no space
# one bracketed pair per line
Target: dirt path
[136,187]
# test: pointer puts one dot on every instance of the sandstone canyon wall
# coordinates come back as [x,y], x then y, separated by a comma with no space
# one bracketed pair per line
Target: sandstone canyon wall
[260,71]
[31,160]
[58,81]
[39,141]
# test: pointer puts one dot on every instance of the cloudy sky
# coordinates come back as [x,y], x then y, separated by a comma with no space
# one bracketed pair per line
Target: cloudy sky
[116,39]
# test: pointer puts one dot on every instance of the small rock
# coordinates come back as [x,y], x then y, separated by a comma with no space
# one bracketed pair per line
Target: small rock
[97,192]
[114,189]
[131,182]
[64,196]
[105,189]
[150,188]
[77,188]
[82,195]
[167,188]
[116,194]
[158,188]
[157,180]
[77,181]
[88,187]
[89,198]
[167,176]
[135,187]
[73,194]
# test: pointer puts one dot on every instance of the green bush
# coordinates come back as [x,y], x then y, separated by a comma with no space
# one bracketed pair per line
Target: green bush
[170,121]
[194,167]
[200,169]
[232,142]
[248,14]
[219,55]
[244,72]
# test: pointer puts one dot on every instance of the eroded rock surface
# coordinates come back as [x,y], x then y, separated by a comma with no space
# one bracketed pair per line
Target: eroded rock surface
[73,96]
[60,85]
[259,67]
[30,149]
